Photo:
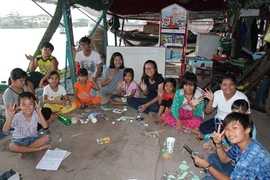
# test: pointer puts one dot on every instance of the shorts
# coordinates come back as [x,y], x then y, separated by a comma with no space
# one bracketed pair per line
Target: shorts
[28,140]
[35,78]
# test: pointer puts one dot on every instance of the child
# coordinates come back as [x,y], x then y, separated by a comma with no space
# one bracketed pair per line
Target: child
[82,90]
[247,159]
[55,96]
[25,137]
[241,106]
[45,62]
[165,98]
[126,89]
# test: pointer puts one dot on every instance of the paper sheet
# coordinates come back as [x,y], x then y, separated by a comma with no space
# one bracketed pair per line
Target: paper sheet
[52,159]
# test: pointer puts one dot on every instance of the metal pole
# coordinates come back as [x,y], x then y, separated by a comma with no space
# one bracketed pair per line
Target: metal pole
[66,15]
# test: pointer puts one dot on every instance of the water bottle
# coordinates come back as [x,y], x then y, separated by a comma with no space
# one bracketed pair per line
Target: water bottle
[65,120]
[92,118]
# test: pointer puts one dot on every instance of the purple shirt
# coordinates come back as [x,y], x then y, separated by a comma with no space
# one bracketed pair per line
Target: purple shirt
[24,128]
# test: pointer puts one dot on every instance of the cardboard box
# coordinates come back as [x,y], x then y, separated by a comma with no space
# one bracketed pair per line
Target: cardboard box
[151,28]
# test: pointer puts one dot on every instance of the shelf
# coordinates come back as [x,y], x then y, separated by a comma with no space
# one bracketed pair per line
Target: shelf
[178,31]
[173,44]
[172,76]
[173,61]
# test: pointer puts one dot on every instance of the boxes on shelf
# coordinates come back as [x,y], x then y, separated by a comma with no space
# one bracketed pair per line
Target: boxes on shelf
[176,53]
[168,54]
[199,62]
[178,39]
[166,38]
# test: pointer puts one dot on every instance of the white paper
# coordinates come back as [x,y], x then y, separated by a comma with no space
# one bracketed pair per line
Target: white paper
[52,159]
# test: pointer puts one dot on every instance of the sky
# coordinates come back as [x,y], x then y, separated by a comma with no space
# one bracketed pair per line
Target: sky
[29,8]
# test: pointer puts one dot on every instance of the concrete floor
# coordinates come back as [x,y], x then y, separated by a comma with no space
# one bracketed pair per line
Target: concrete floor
[130,156]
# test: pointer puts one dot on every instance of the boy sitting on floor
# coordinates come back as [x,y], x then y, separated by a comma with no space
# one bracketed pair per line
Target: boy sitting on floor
[247,159]
[25,137]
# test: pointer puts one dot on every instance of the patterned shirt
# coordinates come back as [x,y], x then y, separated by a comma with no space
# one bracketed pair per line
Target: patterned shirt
[24,128]
[253,163]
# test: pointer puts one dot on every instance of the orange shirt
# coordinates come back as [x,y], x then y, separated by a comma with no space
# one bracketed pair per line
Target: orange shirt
[84,92]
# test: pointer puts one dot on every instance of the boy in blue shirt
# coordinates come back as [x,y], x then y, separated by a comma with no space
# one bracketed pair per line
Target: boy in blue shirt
[247,159]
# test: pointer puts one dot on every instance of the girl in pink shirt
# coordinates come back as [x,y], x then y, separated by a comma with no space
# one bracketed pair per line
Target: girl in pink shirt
[127,88]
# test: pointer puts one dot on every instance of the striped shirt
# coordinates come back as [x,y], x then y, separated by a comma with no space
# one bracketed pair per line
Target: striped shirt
[23,128]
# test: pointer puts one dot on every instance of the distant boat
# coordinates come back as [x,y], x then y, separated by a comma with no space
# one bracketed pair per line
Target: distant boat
[62,31]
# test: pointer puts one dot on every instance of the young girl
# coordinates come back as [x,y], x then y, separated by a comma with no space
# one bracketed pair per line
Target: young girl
[55,96]
[165,98]
[187,107]
[126,89]
[82,90]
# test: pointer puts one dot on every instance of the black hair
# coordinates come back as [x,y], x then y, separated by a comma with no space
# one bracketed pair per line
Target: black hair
[114,55]
[229,76]
[240,104]
[243,119]
[171,80]
[82,72]
[155,76]
[85,40]
[53,73]
[47,45]
[129,70]
[15,74]
[28,95]
[189,78]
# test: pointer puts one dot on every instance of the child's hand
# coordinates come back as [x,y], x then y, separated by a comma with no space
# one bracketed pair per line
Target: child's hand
[217,136]
[62,102]
[143,107]
[11,110]
[38,107]
[208,94]
[29,57]
[143,86]
[199,161]
[195,102]
[41,84]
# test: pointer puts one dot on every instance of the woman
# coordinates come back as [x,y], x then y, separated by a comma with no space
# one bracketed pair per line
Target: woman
[17,86]
[222,100]
[187,107]
[151,83]
[111,77]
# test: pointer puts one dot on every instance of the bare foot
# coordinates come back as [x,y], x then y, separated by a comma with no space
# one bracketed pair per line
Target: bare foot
[151,114]
[208,145]
[20,155]
[197,132]
[52,119]
[45,147]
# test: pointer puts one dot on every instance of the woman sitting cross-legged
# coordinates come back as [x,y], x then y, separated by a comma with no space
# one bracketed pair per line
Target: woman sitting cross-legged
[187,107]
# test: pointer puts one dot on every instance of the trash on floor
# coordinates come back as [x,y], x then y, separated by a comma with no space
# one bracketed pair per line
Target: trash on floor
[104,140]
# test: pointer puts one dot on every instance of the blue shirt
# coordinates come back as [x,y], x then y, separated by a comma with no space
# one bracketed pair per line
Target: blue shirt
[253,163]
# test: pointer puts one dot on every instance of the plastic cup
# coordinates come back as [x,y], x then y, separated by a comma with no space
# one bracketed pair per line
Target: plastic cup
[169,142]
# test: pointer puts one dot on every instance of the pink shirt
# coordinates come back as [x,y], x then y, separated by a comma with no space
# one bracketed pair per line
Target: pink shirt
[128,88]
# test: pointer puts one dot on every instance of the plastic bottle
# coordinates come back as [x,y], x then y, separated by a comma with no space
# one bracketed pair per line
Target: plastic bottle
[68,104]
[60,137]
[65,120]
[92,118]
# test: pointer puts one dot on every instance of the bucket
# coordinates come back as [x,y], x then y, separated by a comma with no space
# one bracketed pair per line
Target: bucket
[169,142]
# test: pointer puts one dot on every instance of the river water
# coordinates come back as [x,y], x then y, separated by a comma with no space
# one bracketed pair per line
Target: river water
[15,43]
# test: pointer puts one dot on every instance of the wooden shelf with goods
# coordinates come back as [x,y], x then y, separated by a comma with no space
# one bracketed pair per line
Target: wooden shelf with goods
[173,36]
